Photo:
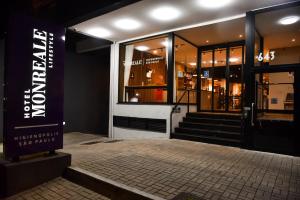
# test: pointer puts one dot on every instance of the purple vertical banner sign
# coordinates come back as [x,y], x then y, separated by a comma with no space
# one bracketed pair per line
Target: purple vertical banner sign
[33,90]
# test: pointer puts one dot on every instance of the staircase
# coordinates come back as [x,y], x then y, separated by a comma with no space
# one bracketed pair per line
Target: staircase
[216,128]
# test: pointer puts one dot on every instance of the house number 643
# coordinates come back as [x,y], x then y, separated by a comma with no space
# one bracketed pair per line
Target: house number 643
[267,57]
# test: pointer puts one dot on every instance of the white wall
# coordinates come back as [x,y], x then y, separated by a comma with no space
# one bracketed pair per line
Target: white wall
[280,91]
[177,117]
[141,111]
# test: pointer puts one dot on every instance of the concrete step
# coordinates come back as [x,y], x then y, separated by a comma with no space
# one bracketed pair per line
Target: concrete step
[208,132]
[212,121]
[210,126]
[214,115]
[206,139]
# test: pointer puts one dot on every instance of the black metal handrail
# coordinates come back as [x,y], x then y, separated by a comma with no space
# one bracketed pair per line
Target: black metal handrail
[178,102]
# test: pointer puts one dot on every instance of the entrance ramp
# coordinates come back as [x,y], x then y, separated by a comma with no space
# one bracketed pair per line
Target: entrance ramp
[106,187]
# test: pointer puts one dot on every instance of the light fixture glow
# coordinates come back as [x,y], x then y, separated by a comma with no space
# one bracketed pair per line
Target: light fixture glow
[63,38]
[214,4]
[127,24]
[233,59]
[193,63]
[240,36]
[288,20]
[207,41]
[142,48]
[165,43]
[165,13]
[293,40]
[99,32]
[155,51]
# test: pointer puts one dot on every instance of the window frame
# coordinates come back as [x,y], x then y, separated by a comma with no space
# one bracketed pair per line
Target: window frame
[170,68]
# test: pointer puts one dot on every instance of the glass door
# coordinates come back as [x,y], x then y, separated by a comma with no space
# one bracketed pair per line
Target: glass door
[275,96]
[206,80]
[235,87]
[221,79]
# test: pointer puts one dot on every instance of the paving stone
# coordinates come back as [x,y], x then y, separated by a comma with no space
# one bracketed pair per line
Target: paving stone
[168,167]
[50,191]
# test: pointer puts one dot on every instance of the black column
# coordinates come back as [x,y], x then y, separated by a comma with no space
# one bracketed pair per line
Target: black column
[227,73]
[199,52]
[212,82]
[248,77]
[297,111]
[170,47]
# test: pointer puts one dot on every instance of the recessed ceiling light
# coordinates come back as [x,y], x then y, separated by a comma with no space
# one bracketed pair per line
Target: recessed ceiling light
[127,24]
[99,32]
[214,4]
[142,48]
[293,40]
[240,36]
[207,41]
[193,63]
[165,13]
[288,20]
[155,51]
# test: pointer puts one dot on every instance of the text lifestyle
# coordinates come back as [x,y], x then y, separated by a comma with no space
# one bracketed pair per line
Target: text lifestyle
[35,98]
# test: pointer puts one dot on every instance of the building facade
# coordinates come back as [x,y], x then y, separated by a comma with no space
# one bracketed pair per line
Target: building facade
[232,81]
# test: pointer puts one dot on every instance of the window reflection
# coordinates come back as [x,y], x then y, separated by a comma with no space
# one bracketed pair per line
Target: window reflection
[185,70]
[278,44]
[207,59]
[220,58]
[275,95]
[143,71]
[206,80]
[235,78]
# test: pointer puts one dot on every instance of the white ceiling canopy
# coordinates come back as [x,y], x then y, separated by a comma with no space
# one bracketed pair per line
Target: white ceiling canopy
[157,16]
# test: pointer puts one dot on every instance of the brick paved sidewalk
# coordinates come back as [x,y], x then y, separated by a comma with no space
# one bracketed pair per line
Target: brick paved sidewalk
[58,189]
[168,167]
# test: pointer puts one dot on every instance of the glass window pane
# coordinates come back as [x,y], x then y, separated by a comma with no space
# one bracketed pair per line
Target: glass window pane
[235,55]
[143,71]
[185,70]
[206,88]
[235,78]
[275,95]
[219,93]
[220,57]
[280,42]
[235,88]
[206,58]
[219,75]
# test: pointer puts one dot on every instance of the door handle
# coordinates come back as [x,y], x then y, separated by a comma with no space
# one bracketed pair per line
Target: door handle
[252,114]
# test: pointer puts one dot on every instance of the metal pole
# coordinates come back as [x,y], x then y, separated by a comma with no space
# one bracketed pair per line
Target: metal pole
[188,108]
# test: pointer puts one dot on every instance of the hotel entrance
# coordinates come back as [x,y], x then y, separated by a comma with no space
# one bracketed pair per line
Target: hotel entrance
[272,79]
[220,62]
[229,81]
[221,77]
